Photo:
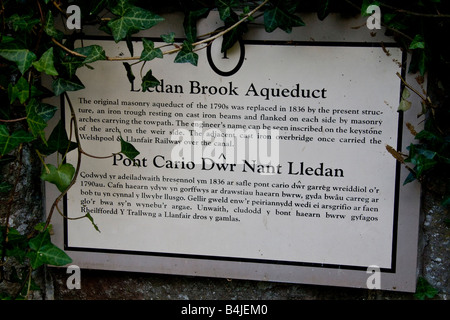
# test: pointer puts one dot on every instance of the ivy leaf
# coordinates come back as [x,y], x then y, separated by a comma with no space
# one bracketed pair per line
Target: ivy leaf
[22,23]
[93,53]
[418,42]
[422,62]
[45,111]
[121,7]
[187,54]
[71,64]
[5,187]
[428,135]
[278,17]
[190,23]
[45,252]
[245,14]
[130,74]
[22,57]
[423,159]
[34,120]
[323,10]
[88,215]
[7,40]
[149,81]
[17,243]
[128,149]
[425,290]
[61,176]
[9,142]
[149,52]
[14,235]
[61,85]
[58,141]
[410,178]
[446,203]
[168,38]
[130,20]
[45,63]
[231,37]
[49,27]
[225,8]
[405,93]
[21,91]
[404,104]
[129,43]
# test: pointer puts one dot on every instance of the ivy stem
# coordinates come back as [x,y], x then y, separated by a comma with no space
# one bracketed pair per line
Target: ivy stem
[74,53]
[99,157]
[14,120]
[42,160]
[77,169]
[424,99]
[400,159]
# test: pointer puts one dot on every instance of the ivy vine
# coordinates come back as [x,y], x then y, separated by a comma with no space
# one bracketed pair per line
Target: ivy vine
[32,45]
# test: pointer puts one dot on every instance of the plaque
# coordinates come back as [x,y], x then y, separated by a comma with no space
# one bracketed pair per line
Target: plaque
[268,162]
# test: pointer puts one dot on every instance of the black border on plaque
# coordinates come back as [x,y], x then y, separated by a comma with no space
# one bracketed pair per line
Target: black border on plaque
[392,269]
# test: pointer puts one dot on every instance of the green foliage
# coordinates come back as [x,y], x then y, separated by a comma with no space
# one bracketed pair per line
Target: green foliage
[35,250]
[187,54]
[17,244]
[10,141]
[57,142]
[42,251]
[22,57]
[45,63]
[231,37]
[128,149]
[61,176]
[130,74]
[405,104]
[431,157]
[323,9]
[93,53]
[30,46]
[418,26]
[62,85]
[424,290]
[281,16]
[168,38]
[149,81]
[150,52]
[36,122]
[130,19]
[20,91]
[190,23]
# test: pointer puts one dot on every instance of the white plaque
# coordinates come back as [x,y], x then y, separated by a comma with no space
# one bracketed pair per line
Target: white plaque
[268,162]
